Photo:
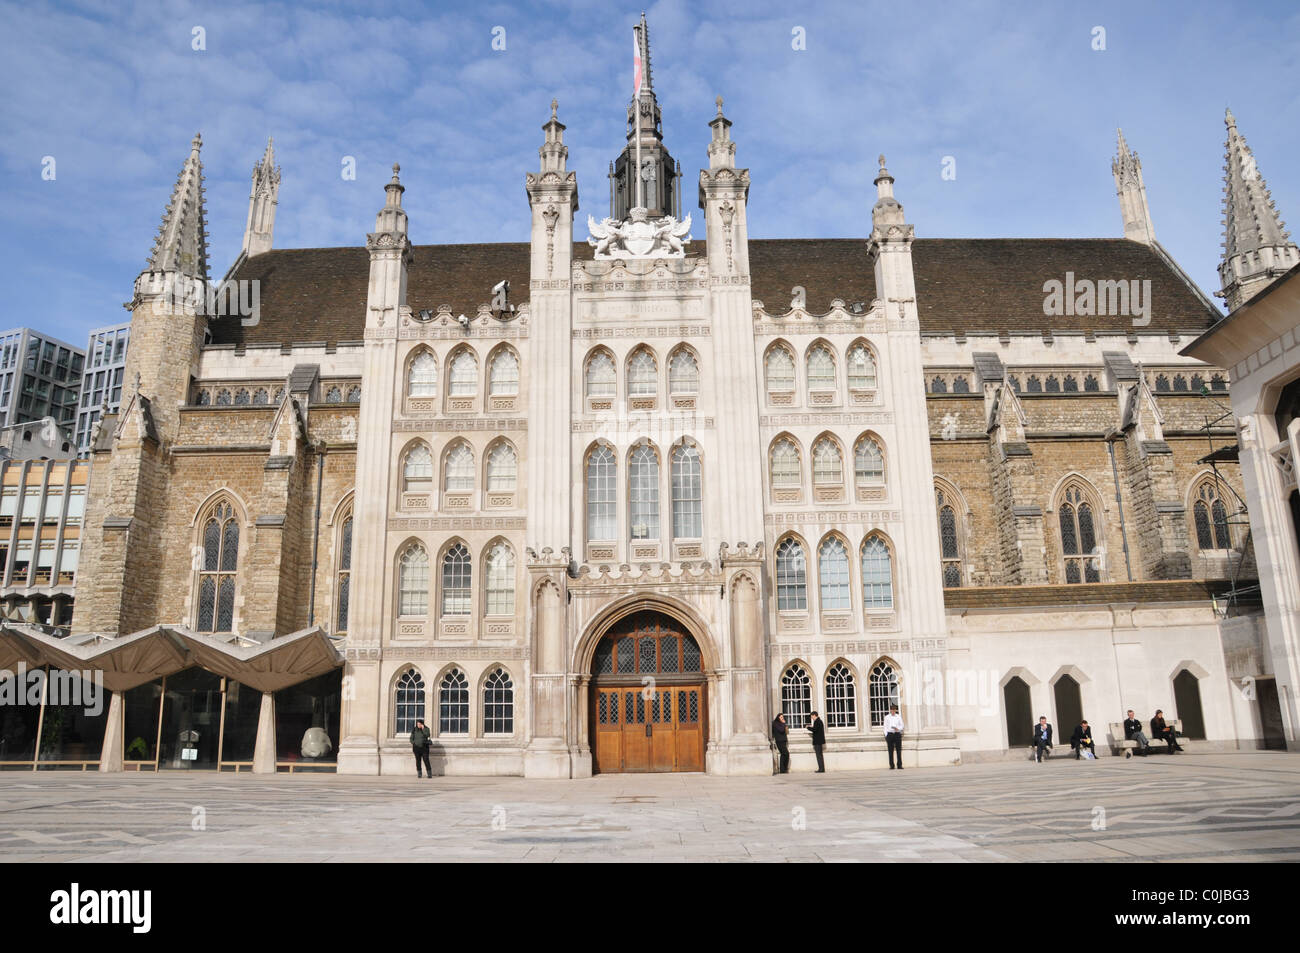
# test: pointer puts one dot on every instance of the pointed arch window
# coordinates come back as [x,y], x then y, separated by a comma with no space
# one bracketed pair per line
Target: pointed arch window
[643,492]
[502,469]
[456,579]
[833,572]
[688,512]
[417,470]
[601,376]
[1211,517]
[877,575]
[459,471]
[503,377]
[602,493]
[785,464]
[498,703]
[949,541]
[500,575]
[884,691]
[464,374]
[343,585]
[841,697]
[413,582]
[861,368]
[453,704]
[1078,536]
[828,466]
[868,462]
[409,699]
[779,367]
[821,368]
[642,375]
[796,696]
[791,576]
[683,374]
[218,569]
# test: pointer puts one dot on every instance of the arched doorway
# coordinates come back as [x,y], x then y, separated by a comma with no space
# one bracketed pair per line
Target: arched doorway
[648,708]
[1019,713]
[1069,707]
[1187,701]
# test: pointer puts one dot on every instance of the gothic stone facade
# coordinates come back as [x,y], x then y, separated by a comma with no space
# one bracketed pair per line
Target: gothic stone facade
[847,472]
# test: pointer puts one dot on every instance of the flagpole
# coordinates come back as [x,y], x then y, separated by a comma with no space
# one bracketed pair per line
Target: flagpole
[640,198]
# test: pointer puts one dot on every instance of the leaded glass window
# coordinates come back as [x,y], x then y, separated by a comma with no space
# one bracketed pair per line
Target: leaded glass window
[683,373]
[884,692]
[498,703]
[219,562]
[344,575]
[960,385]
[423,378]
[861,368]
[602,490]
[821,368]
[502,469]
[642,375]
[1090,383]
[460,469]
[785,464]
[643,493]
[500,576]
[1078,537]
[453,704]
[417,470]
[828,466]
[410,701]
[779,365]
[1211,518]
[877,575]
[601,376]
[464,374]
[791,576]
[456,581]
[688,513]
[833,571]
[949,544]
[868,462]
[503,378]
[841,697]
[796,697]
[413,582]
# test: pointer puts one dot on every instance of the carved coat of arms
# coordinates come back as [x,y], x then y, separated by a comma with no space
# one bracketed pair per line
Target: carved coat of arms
[639,236]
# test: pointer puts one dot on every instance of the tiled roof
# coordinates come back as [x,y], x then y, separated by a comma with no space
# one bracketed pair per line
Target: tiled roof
[969,285]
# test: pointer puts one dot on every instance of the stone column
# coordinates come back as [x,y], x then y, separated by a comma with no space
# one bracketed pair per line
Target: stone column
[111,757]
[264,748]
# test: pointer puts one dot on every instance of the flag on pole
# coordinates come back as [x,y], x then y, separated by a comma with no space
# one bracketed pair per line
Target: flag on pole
[638,68]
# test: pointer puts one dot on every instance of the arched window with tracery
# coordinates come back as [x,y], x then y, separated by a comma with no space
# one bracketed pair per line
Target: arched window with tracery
[868,462]
[220,561]
[828,464]
[785,464]
[343,575]
[884,691]
[498,703]
[796,696]
[453,704]
[456,581]
[1078,536]
[791,576]
[643,492]
[877,574]
[949,538]
[458,473]
[503,374]
[1211,518]
[602,494]
[417,469]
[408,698]
[413,582]
[841,697]
[422,379]
[821,368]
[464,374]
[500,577]
[601,375]
[683,373]
[779,370]
[833,574]
[861,368]
[502,469]
[642,374]
[688,503]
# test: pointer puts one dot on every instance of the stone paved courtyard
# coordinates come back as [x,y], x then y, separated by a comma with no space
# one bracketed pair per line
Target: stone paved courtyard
[1185,808]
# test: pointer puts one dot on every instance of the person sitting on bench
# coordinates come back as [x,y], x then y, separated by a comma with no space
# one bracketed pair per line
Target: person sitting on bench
[1133,732]
[1081,741]
[1166,733]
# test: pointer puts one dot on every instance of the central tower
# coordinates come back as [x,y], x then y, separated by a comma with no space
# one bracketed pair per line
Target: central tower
[659,173]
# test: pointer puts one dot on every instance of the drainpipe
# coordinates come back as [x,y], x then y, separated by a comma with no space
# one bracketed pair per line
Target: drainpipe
[1110,438]
[315,538]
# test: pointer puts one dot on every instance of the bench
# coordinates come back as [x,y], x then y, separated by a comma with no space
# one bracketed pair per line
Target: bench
[1119,743]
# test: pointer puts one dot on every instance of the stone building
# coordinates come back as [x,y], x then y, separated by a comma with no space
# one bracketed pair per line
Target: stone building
[609,502]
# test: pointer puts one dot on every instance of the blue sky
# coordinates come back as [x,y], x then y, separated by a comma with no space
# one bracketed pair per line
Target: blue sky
[1013,91]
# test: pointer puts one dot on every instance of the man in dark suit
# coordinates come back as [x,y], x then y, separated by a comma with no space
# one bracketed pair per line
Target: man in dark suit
[1042,737]
[1166,733]
[819,740]
[1081,740]
[779,733]
[1133,732]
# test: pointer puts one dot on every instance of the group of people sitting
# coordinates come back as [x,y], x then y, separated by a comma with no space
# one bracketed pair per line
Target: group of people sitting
[1084,747]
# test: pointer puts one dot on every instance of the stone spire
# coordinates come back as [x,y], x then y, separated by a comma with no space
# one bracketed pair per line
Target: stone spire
[261,203]
[1132,192]
[182,243]
[1256,246]
[554,152]
[658,170]
[888,211]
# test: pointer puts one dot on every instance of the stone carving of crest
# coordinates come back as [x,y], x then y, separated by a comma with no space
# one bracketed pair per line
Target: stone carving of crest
[639,236]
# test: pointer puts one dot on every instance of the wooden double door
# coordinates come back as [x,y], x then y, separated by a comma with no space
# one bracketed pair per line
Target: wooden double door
[652,728]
